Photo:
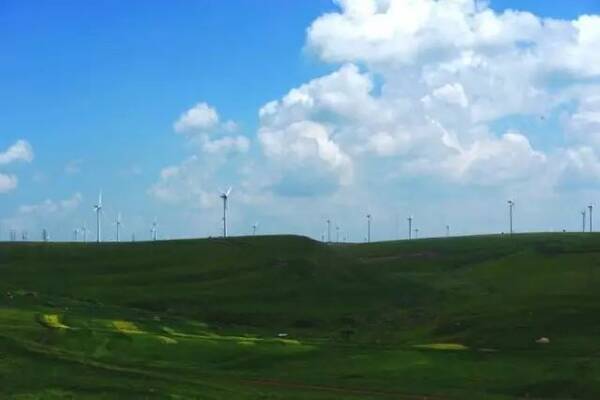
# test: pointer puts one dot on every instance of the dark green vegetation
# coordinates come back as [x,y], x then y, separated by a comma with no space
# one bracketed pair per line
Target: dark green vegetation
[447,318]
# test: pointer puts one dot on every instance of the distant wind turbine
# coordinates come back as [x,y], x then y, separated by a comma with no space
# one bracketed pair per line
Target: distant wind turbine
[416,233]
[368,228]
[590,207]
[583,220]
[328,231]
[447,230]
[98,209]
[225,197]
[154,230]
[511,205]
[410,219]
[254,228]
[118,223]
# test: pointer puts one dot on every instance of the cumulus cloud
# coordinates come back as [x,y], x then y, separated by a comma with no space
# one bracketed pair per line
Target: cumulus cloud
[426,90]
[20,151]
[418,31]
[200,118]
[7,183]
[228,144]
[50,206]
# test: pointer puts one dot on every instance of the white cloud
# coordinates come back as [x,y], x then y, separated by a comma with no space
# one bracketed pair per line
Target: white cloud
[20,151]
[189,182]
[442,93]
[228,144]
[200,118]
[49,206]
[7,183]
[417,31]
[452,93]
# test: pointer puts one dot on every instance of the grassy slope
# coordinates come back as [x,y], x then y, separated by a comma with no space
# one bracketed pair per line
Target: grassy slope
[204,316]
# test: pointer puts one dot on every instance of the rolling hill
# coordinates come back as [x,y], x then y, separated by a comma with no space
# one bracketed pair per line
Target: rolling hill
[285,317]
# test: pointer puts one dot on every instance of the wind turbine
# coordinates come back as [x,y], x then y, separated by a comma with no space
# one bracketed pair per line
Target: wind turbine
[337,234]
[225,197]
[583,220]
[98,209]
[75,234]
[85,231]
[416,233]
[328,231]
[410,219]
[254,228]
[368,228]
[511,205]
[118,222]
[590,207]
[154,230]
[447,230]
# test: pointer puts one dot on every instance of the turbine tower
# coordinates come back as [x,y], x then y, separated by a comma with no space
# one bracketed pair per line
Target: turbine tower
[590,207]
[416,233]
[368,228]
[154,230]
[254,228]
[118,222]
[583,220]
[511,205]
[75,234]
[410,219]
[328,231]
[447,230]
[225,197]
[337,234]
[98,209]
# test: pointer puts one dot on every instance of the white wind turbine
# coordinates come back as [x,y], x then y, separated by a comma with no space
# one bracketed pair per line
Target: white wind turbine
[118,223]
[84,231]
[254,228]
[98,209]
[154,230]
[225,197]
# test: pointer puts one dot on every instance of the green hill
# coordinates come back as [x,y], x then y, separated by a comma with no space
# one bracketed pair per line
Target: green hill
[285,317]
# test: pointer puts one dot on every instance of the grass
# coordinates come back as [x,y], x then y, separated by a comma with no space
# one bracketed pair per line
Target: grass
[284,317]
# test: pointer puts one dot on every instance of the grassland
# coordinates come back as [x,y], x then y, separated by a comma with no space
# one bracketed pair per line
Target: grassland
[284,317]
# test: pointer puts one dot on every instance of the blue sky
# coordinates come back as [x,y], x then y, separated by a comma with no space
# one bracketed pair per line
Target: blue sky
[96,87]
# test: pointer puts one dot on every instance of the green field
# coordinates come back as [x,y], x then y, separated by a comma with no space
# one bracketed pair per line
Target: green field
[285,317]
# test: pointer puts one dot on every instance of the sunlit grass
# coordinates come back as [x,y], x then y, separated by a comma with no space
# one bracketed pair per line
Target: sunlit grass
[126,327]
[52,321]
